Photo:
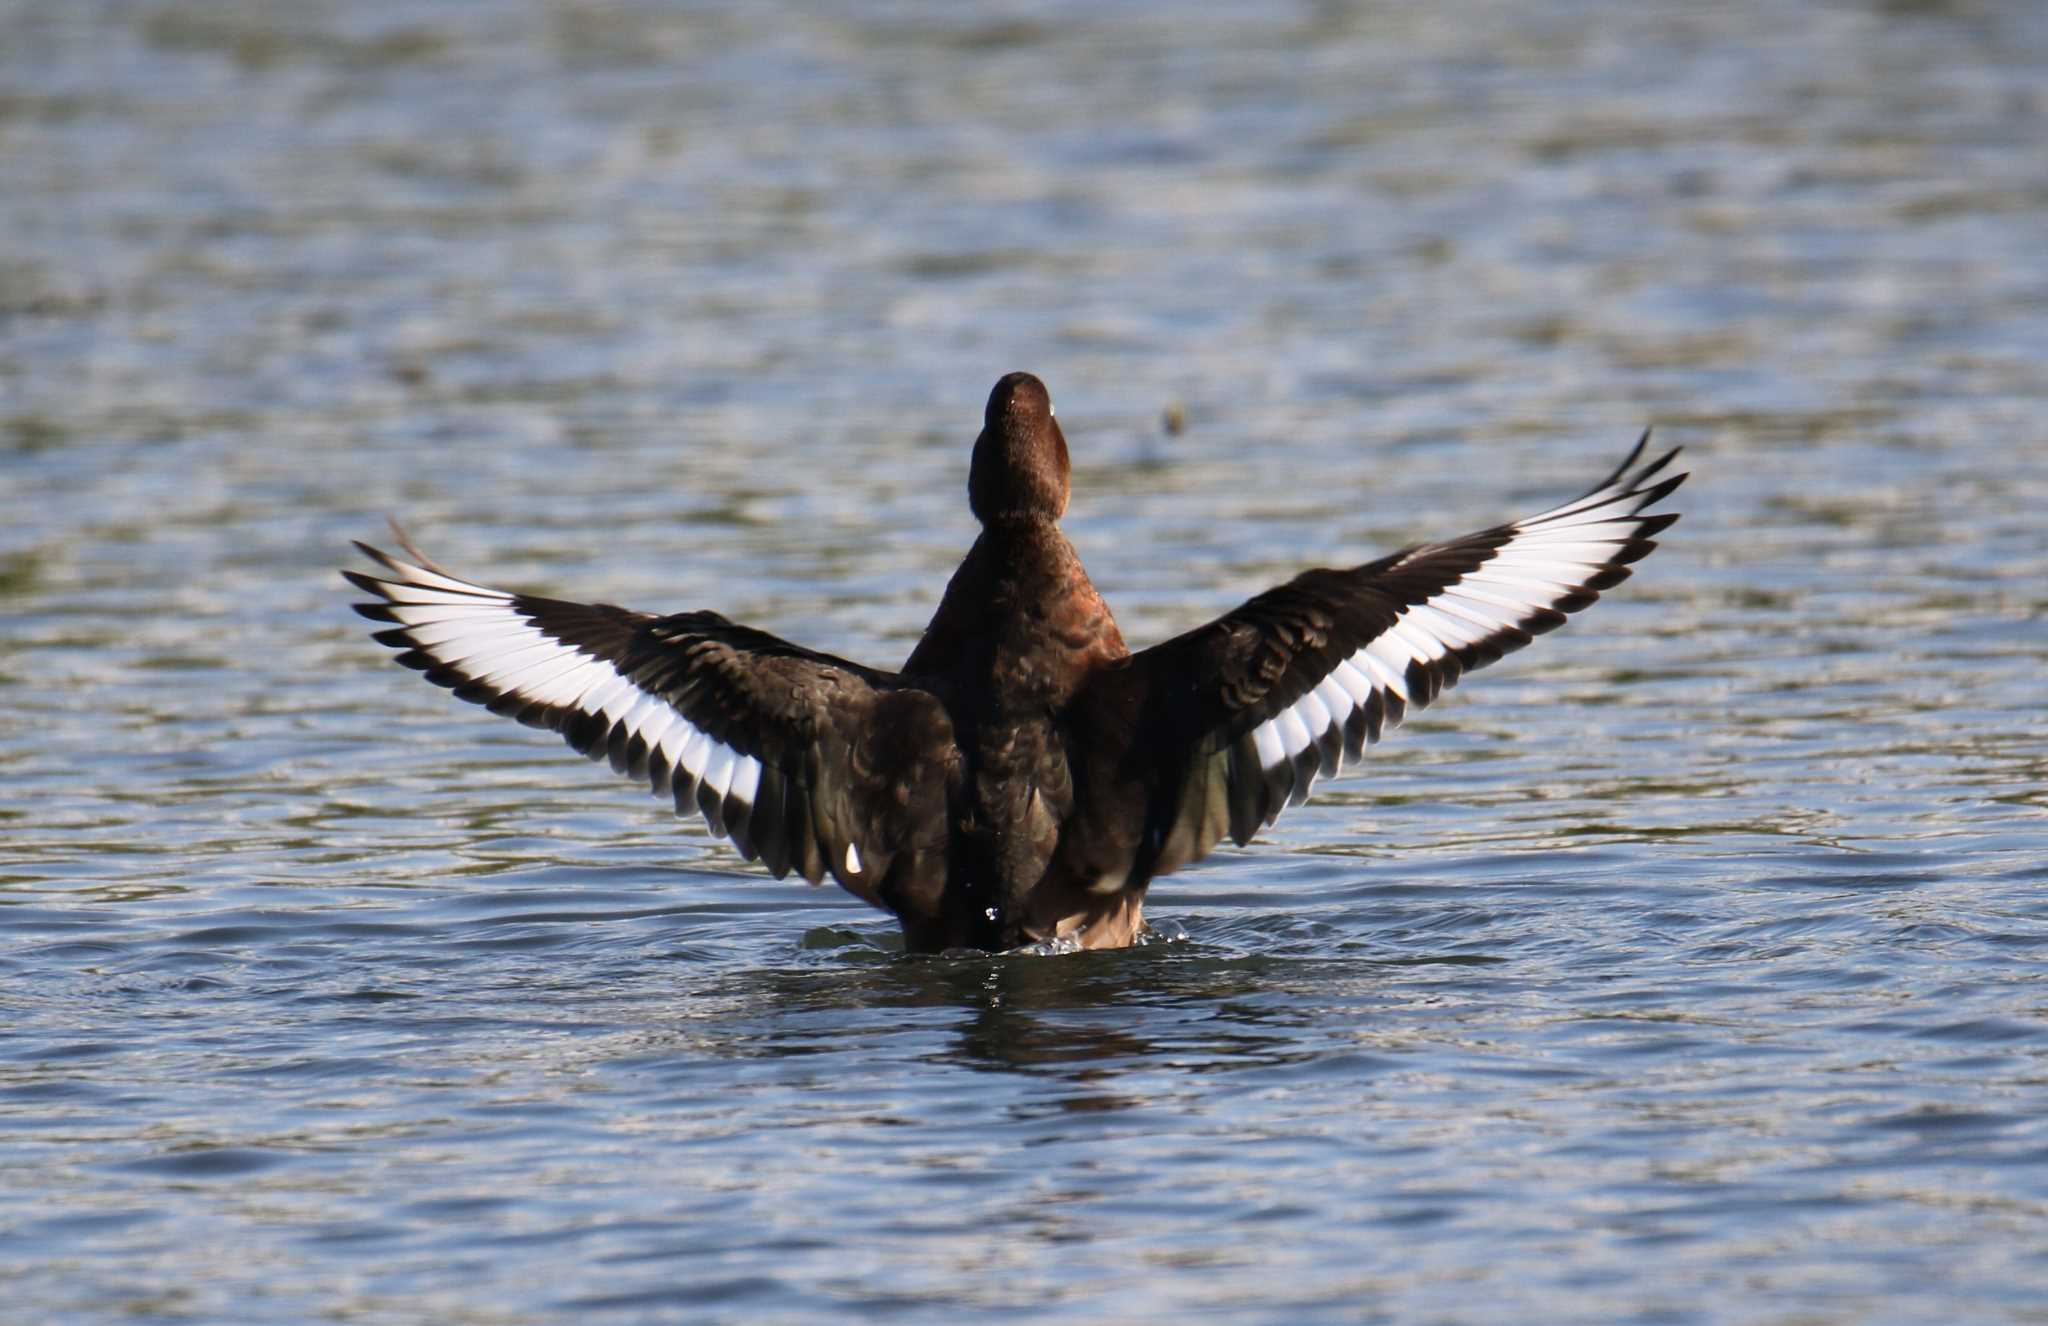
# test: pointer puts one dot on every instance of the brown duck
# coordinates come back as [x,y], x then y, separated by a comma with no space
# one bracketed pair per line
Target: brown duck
[1024,776]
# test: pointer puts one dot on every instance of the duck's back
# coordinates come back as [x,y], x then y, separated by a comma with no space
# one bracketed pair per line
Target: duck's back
[1020,629]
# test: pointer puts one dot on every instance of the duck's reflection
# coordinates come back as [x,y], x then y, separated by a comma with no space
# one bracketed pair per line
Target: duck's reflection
[1085,1017]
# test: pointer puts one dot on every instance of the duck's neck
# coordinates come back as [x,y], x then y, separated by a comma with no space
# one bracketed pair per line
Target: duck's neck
[1020,606]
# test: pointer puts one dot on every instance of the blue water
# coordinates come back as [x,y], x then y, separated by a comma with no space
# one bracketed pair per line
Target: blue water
[1690,966]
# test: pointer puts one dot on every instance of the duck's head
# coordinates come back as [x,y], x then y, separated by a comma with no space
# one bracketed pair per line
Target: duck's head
[1020,464]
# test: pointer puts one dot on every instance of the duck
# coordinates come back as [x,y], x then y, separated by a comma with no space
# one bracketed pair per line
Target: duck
[1024,776]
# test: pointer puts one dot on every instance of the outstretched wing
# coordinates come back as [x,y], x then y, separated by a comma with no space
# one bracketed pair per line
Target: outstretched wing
[1226,726]
[808,762]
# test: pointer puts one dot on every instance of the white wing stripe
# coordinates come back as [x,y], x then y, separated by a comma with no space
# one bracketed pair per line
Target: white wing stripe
[1488,620]
[1479,608]
[1354,682]
[1593,553]
[1314,715]
[608,689]
[1475,631]
[577,689]
[407,592]
[526,678]
[655,725]
[674,741]
[1601,508]
[1536,591]
[420,577]
[1267,742]
[521,680]
[1383,677]
[641,714]
[409,613]
[691,761]
[427,635]
[746,779]
[1294,734]
[487,649]
[718,770]
[1334,700]
[1544,563]
[1449,630]
[1302,724]
[481,635]
[496,655]
[1601,526]
[1422,647]
[561,689]
[610,698]
[1518,604]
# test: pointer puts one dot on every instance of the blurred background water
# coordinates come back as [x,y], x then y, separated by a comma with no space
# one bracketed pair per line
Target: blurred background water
[1685,968]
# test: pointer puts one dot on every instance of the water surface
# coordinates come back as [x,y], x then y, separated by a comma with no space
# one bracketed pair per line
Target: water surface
[1687,967]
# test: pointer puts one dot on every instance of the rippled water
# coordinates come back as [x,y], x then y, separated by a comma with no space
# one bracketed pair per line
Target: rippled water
[1688,967]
